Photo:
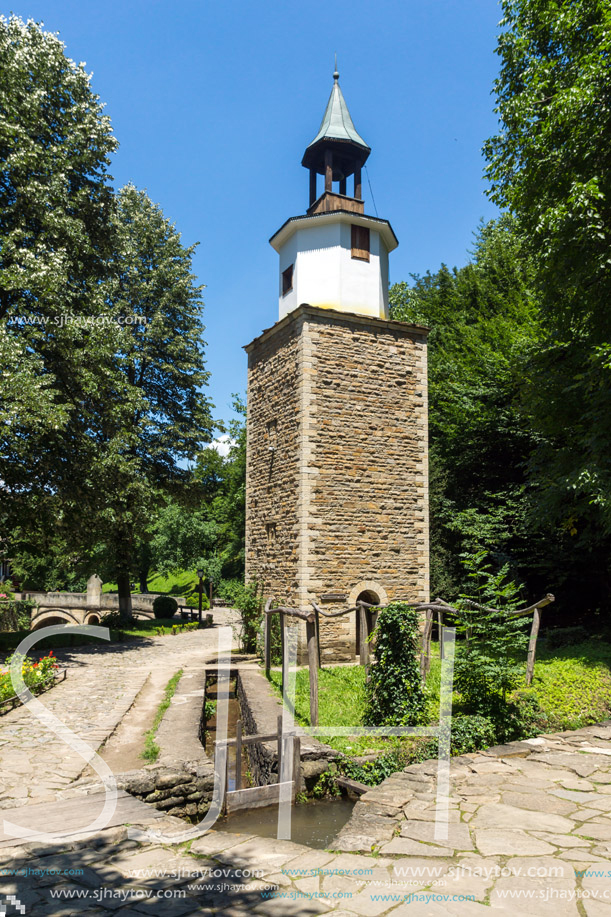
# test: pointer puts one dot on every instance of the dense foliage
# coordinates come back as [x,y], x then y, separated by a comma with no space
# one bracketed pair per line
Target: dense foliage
[484,325]
[394,690]
[101,330]
[550,166]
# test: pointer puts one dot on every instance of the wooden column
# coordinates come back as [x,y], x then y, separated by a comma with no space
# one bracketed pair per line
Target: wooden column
[313,667]
[342,186]
[312,186]
[357,183]
[328,170]
[530,665]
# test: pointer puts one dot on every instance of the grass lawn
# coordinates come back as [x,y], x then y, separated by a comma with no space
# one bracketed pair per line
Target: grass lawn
[572,685]
[182,583]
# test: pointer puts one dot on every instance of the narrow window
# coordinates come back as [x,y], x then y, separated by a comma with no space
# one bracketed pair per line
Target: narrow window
[270,528]
[360,242]
[287,280]
[272,432]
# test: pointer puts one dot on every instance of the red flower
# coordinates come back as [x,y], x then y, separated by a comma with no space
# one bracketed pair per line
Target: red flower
[50,652]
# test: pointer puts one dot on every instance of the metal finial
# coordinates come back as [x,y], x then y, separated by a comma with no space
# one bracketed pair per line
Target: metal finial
[336,73]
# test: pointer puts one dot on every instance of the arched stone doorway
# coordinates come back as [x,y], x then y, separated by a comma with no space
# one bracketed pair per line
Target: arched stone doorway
[374,594]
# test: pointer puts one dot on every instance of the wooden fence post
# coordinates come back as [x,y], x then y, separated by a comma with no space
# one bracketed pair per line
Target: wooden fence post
[363,644]
[313,667]
[267,633]
[296,764]
[284,659]
[279,744]
[530,664]
[426,644]
[318,637]
[440,633]
[238,755]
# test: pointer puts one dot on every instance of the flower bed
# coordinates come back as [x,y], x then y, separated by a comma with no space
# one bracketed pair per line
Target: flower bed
[38,677]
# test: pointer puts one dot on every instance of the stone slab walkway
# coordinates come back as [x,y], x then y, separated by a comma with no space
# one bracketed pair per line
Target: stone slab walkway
[101,685]
[529,834]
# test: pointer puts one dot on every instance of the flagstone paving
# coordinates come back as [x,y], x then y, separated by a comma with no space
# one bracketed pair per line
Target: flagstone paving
[102,683]
[528,833]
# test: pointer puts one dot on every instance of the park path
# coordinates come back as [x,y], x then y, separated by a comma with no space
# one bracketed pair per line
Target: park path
[529,834]
[101,685]
[529,830]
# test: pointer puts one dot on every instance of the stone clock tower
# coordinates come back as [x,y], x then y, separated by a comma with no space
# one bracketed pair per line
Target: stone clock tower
[337,477]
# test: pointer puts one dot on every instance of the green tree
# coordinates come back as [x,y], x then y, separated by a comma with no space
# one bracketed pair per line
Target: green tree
[152,415]
[126,448]
[550,165]
[483,323]
[55,204]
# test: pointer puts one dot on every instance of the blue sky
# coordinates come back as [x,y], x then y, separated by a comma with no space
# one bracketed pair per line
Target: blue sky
[213,104]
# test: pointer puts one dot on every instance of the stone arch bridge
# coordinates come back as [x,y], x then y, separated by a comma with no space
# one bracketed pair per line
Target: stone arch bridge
[83,607]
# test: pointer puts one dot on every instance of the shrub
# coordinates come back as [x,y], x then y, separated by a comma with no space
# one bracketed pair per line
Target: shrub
[229,590]
[276,641]
[565,636]
[164,606]
[14,615]
[394,691]
[490,662]
[249,601]
[114,621]
[471,733]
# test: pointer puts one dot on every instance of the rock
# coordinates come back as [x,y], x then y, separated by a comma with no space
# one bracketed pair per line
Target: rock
[498,815]
[457,835]
[510,842]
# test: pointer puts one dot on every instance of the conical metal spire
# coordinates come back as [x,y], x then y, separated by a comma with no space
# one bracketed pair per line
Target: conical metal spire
[337,123]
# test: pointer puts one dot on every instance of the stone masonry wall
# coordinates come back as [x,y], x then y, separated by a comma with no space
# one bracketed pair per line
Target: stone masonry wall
[348,486]
[272,529]
[368,500]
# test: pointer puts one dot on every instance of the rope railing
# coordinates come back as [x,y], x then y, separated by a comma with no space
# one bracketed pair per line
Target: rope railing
[367,613]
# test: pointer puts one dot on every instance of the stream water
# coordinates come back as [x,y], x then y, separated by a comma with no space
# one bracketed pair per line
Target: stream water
[314,823]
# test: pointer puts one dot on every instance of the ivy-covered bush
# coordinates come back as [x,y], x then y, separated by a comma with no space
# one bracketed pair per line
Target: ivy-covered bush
[164,606]
[394,691]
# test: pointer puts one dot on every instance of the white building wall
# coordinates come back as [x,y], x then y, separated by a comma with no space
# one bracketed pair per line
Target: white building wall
[327,276]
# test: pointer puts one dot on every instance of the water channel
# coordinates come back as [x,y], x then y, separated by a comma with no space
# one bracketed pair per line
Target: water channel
[314,823]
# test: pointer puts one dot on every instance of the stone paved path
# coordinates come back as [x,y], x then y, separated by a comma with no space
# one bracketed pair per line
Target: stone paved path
[101,685]
[529,834]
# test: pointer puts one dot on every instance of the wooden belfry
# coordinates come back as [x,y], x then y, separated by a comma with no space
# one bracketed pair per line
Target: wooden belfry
[337,151]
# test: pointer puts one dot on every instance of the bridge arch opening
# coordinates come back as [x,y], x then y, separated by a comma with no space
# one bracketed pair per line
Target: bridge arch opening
[53,619]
